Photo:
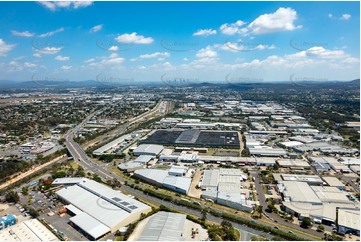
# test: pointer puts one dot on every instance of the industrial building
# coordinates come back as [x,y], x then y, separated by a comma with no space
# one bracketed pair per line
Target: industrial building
[317,202]
[148,149]
[267,151]
[99,209]
[167,226]
[194,137]
[265,161]
[164,226]
[29,230]
[309,179]
[295,163]
[224,187]
[348,221]
[7,221]
[139,163]
[173,179]
[334,182]
[332,162]
[111,145]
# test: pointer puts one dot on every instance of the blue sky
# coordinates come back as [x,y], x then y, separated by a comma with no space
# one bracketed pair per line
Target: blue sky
[203,41]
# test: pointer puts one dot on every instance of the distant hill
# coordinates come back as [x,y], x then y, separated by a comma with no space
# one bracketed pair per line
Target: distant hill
[237,86]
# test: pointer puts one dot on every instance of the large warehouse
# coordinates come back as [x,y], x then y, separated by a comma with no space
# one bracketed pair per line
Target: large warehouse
[29,230]
[317,202]
[153,150]
[173,178]
[224,187]
[194,137]
[166,226]
[99,209]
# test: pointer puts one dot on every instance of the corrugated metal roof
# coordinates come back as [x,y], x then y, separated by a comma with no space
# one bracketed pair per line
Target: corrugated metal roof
[164,226]
[89,224]
[98,201]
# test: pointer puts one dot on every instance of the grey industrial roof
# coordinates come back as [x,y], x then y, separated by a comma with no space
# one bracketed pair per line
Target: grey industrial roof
[301,178]
[108,206]
[67,180]
[230,171]
[178,169]
[299,192]
[177,181]
[111,144]
[229,187]
[149,149]
[164,226]
[349,218]
[144,158]
[268,151]
[73,209]
[295,162]
[210,178]
[330,194]
[29,230]
[333,181]
[156,175]
[130,165]
[89,224]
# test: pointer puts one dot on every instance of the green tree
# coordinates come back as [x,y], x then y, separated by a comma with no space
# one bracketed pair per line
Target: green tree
[25,190]
[306,222]
[12,197]
[33,213]
[320,228]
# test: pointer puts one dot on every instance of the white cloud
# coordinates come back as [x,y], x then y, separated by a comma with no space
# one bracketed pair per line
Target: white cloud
[133,38]
[233,28]
[346,16]
[30,65]
[205,32]
[89,60]
[185,59]
[22,34]
[62,58]
[101,62]
[96,28]
[5,48]
[65,68]
[159,55]
[207,52]
[114,48]
[37,55]
[55,5]
[51,33]
[49,50]
[330,15]
[281,20]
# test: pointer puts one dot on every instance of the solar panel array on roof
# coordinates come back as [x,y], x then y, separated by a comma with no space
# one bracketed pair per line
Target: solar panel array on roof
[188,136]
[133,207]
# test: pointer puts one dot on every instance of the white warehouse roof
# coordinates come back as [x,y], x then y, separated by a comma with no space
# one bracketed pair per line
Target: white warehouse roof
[164,226]
[109,207]
[89,224]
[148,149]
[29,230]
